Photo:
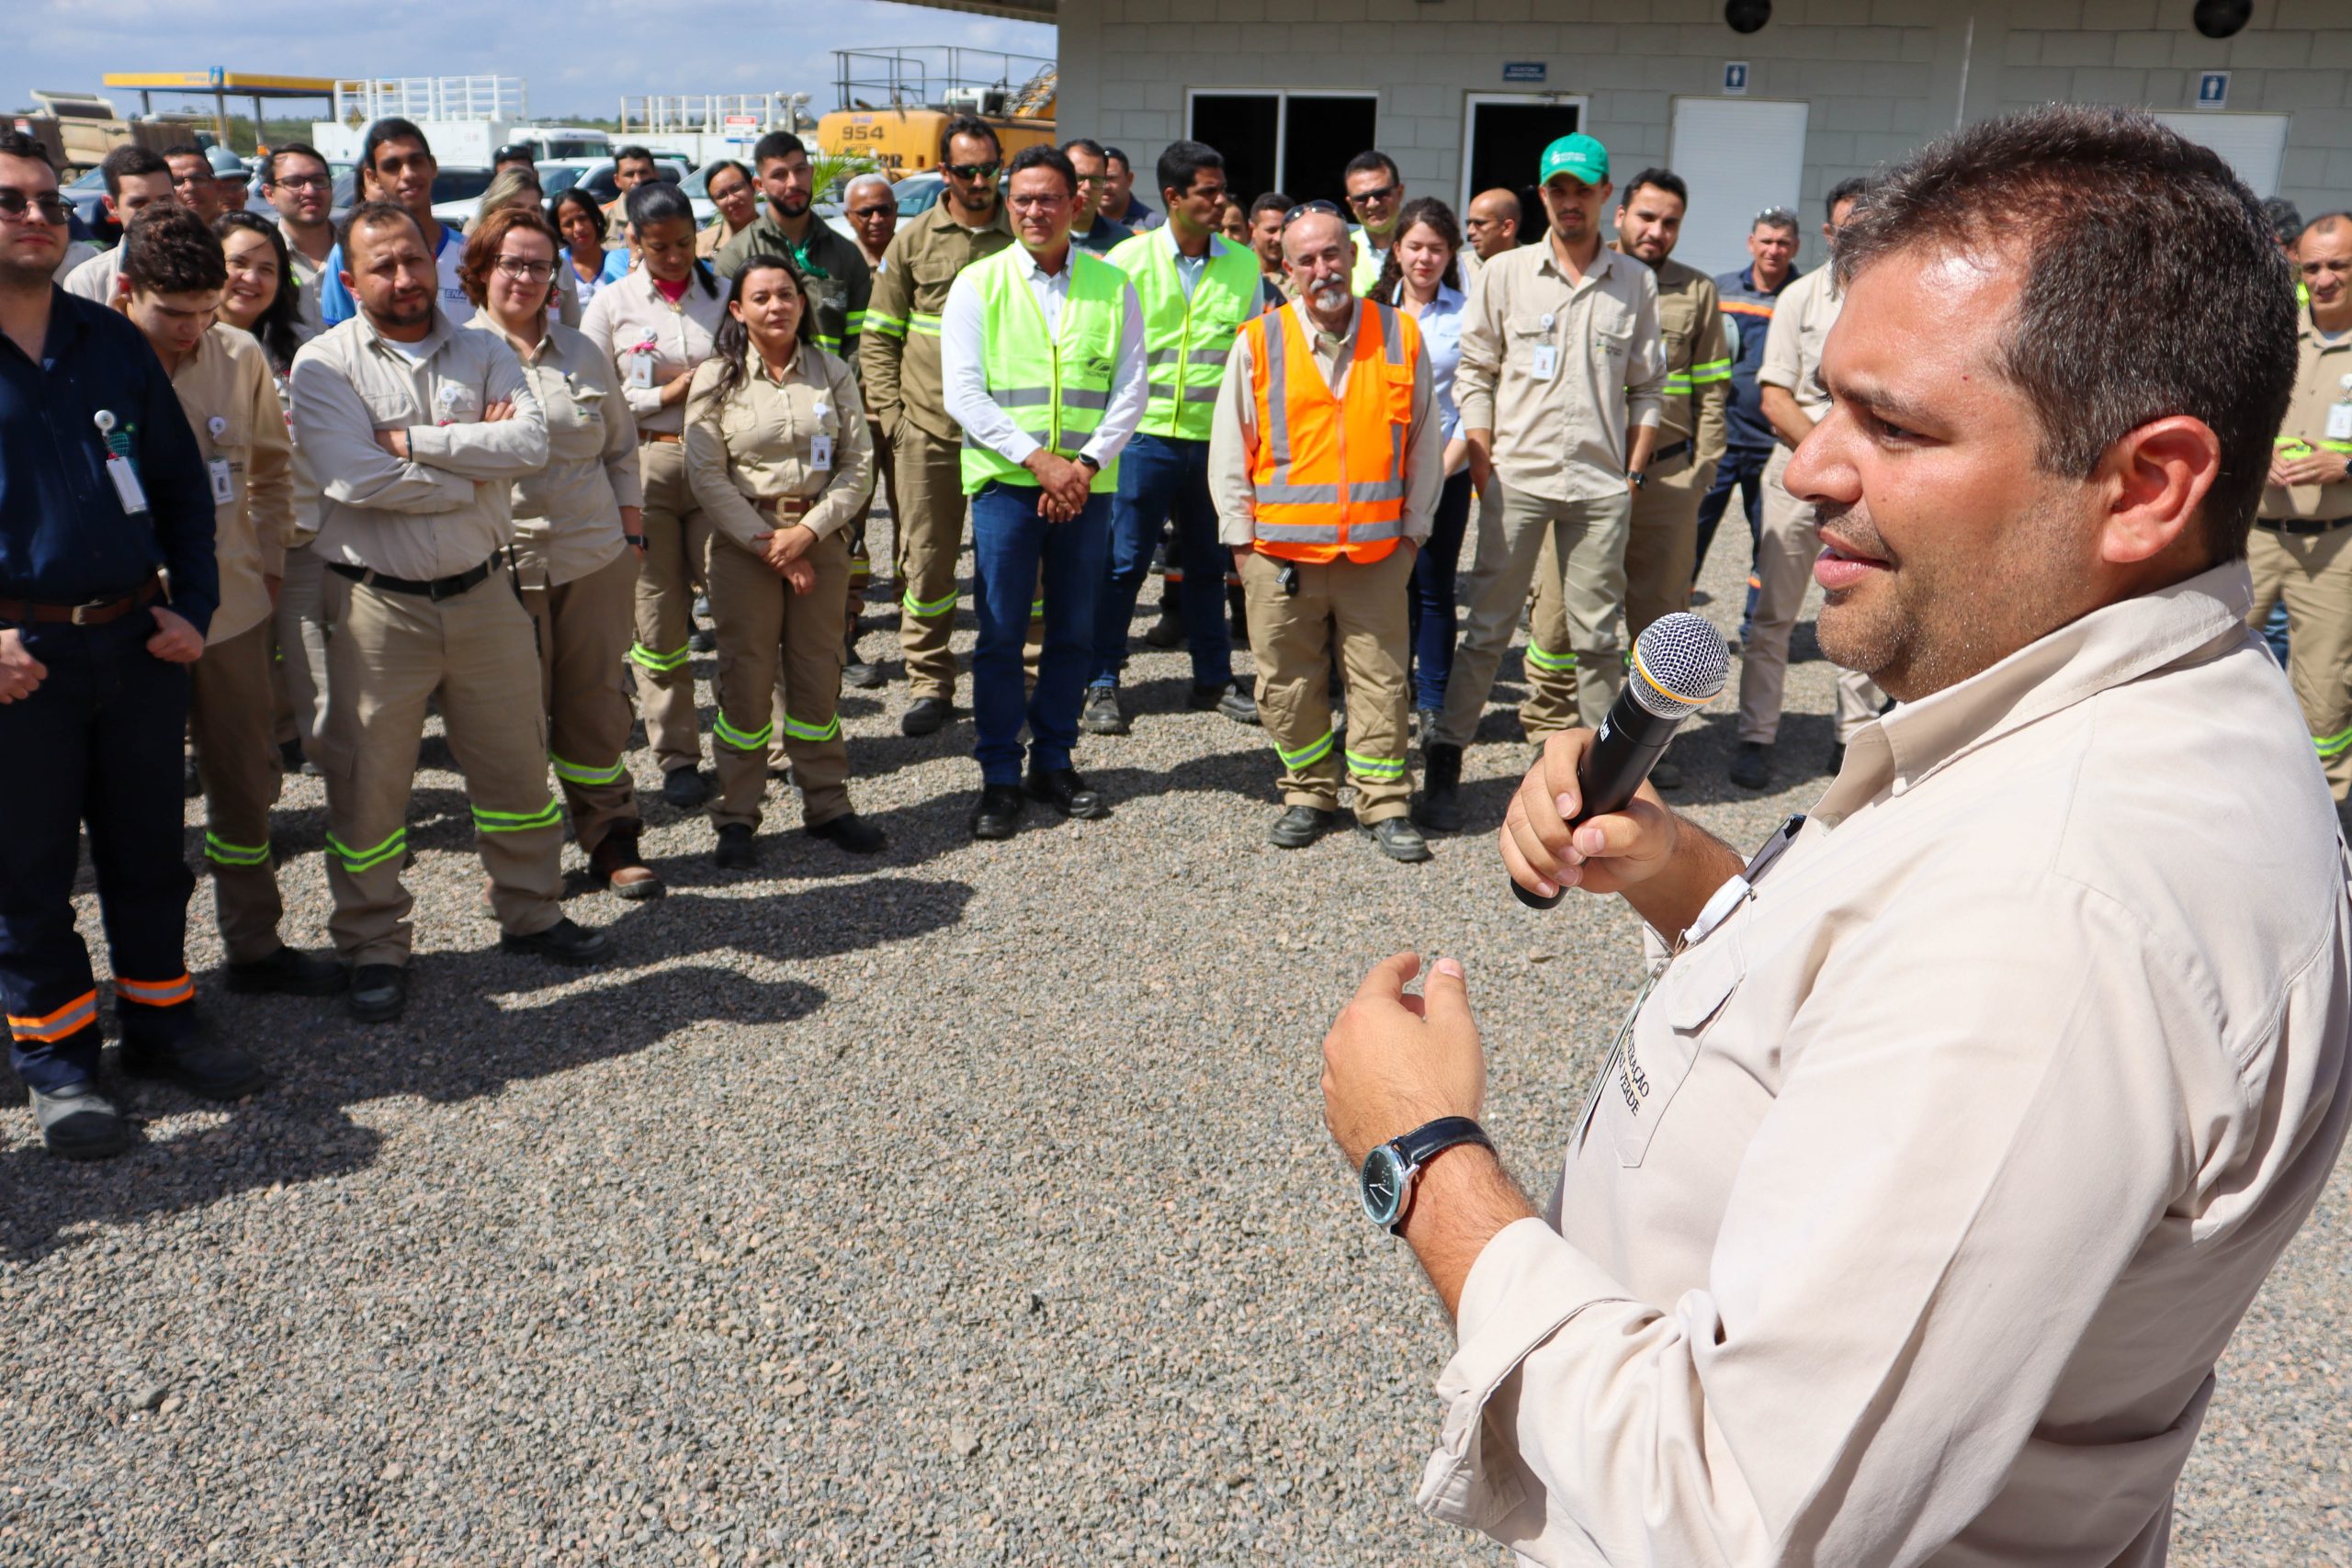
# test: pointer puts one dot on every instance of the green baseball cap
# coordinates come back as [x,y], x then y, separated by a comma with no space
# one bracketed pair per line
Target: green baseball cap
[1580,155]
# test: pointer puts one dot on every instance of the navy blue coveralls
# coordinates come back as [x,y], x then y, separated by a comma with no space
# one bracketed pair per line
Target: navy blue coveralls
[1750,436]
[98,742]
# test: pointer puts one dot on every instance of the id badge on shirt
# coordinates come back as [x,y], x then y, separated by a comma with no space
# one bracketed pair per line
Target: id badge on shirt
[224,488]
[2339,421]
[820,452]
[127,488]
[1543,361]
[640,371]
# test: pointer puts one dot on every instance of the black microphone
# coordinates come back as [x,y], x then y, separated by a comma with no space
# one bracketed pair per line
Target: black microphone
[1679,665]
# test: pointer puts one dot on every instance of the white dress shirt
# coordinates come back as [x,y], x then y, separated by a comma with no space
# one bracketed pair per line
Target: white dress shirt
[965,373]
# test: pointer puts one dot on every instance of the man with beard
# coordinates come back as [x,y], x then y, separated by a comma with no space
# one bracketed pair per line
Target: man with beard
[838,279]
[301,187]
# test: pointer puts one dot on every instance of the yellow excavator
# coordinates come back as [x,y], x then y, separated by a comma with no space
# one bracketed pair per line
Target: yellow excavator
[896,102]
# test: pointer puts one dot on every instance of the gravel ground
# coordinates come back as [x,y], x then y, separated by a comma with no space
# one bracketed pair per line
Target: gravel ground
[969,1206]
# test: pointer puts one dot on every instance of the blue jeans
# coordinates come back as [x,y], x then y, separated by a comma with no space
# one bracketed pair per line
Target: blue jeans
[1160,478]
[98,745]
[1009,541]
[1745,470]
[1433,616]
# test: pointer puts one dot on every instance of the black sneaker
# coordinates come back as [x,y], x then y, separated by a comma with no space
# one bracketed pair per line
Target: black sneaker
[999,811]
[735,851]
[379,992]
[703,641]
[1752,769]
[1226,698]
[206,1068]
[566,942]
[1300,826]
[926,715]
[78,1122]
[1440,807]
[1101,715]
[685,788]
[1401,841]
[1066,793]
[1428,719]
[851,832]
[288,972]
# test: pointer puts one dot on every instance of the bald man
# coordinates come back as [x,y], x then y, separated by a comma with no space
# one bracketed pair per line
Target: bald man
[1491,226]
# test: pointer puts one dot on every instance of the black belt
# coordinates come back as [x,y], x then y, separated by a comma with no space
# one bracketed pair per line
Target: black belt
[1668,454]
[2301,524]
[436,589]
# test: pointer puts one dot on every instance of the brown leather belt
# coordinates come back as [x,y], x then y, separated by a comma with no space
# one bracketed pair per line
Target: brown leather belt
[786,508]
[666,437]
[97,613]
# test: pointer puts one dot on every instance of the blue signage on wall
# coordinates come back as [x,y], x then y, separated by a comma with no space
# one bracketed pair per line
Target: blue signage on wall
[1523,70]
[1734,77]
[2212,89]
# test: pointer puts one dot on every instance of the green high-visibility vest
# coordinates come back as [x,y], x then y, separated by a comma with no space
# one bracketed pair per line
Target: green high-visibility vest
[1055,386]
[1187,338]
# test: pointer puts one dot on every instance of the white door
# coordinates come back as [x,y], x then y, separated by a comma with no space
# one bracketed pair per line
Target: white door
[1738,157]
[2254,144]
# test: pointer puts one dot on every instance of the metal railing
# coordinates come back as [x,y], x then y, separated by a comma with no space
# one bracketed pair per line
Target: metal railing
[691,113]
[925,74]
[432,98]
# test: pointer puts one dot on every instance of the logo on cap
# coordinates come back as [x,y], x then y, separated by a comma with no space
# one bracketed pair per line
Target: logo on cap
[1581,155]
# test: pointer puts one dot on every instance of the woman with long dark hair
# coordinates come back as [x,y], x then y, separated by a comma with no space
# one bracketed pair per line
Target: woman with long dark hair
[262,296]
[1422,278]
[584,228]
[655,326]
[778,453]
[575,522]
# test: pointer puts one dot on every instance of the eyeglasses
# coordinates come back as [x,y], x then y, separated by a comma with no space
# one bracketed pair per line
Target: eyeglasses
[1365,198]
[182,182]
[971,171]
[304,182]
[871,211]
[1094,179]
[524,271]
[15,204]
[1304,207]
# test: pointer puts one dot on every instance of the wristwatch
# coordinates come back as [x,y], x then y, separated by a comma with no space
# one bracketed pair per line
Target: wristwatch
[1092,466]
[1390,1171]
[1638,476]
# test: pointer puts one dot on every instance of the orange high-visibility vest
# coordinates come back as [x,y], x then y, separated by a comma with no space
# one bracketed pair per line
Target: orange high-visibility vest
[1329,472]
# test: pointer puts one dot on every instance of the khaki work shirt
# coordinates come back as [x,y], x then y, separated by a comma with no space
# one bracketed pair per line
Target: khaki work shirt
[1563,438]
[2320,369]
[1907,1226]
[1691,324]
[898,357]
[444,508]
[832,268]
[225,390]
[569,511]
[759,443]
[629,321]
[1802,318]
[1233,432]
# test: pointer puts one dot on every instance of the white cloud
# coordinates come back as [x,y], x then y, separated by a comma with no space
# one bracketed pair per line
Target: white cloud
[578,56]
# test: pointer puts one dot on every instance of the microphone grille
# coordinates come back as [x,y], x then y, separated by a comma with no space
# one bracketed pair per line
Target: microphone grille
[1680,663]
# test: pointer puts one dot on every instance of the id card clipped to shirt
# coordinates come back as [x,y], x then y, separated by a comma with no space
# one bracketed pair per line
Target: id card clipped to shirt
[640,366]
[1544,358]
[125,478]
[2339,414]
[821,444]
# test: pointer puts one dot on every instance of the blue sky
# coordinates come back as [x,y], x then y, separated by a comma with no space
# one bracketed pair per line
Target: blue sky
[578,56]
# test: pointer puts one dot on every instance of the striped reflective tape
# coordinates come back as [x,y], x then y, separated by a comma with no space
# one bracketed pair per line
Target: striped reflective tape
[926,608]
[728,735]
[356,861]
[2333,746]
[1376,770]
[1312,753]
[79,1013]
[156,993]
[516,821]
[581,773]
[922,325]
[1713,370]
[1554,661]
[660,663]
[796,729]
[888,326]
[220,852]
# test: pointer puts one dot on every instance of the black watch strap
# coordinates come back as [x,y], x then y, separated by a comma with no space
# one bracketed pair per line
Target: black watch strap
[1424,1144]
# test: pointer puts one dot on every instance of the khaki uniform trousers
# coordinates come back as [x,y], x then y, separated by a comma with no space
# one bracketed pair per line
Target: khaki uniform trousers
[301,631]
[583,627]
[1291,637]
[767,632]
[1661,547]
[1784,558]
[2312,573]
[392,653]
[930,537]
[1588,538]
[236,762]
[677,536]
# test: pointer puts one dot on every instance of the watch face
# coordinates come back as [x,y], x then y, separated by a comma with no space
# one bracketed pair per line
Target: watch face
[1383,1185]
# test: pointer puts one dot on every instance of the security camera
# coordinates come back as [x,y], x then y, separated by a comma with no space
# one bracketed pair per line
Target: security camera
[1747,16]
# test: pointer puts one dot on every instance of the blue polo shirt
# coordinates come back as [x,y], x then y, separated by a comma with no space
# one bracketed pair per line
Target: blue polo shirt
[65,537]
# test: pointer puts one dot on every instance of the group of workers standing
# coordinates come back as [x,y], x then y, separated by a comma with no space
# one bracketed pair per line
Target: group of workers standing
[284,486]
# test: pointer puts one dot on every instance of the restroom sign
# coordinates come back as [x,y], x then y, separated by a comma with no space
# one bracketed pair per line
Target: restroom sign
[2212,89]
[1736,78]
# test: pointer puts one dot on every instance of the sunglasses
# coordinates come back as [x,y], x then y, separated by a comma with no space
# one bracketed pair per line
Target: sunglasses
[14,203]
[1304,207]
[870,211]
[972,171]
[182,182]
[1365,198]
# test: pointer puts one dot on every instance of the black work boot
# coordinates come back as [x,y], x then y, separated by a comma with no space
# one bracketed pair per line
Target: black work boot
[1440,808]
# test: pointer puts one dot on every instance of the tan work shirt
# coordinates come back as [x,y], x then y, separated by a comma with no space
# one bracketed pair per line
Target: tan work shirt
[898,353]
[1562,436]
[569,511]
[225,390]
[760,442]
[1698,375]
[1233,432]
[2320,369]
[1802,318]
[1911,1220]
[444,508]
[630,323]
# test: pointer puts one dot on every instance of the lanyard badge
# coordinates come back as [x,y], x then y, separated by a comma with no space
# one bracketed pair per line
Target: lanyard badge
[127,488]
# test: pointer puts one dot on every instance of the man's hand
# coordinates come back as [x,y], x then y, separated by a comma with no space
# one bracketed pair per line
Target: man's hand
[21,673]
[1394,1061]
[2320,469]
[495,413]
[1608,854]
[175,641]
[1063,481]
[394,441]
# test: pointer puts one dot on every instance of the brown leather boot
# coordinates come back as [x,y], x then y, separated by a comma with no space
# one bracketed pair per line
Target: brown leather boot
[619,867]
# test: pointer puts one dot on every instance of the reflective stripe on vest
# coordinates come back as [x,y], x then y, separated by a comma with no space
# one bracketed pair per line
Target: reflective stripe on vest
[1187,337]
[1329,472]
[1054,385]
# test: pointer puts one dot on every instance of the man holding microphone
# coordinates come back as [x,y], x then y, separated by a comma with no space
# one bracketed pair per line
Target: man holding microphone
[1930,1176]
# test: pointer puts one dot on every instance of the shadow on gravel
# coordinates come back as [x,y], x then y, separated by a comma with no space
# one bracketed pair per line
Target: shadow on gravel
[472,1029]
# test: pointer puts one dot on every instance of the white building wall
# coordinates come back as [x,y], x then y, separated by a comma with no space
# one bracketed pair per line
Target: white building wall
[1882,76]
